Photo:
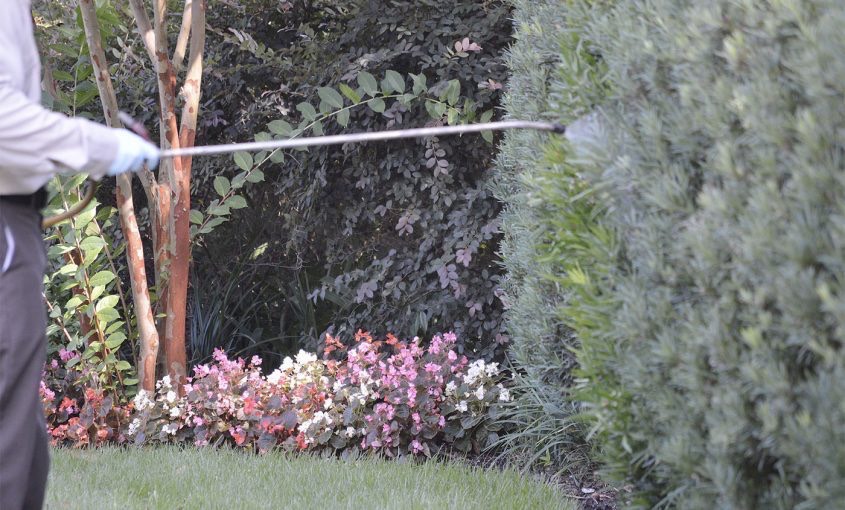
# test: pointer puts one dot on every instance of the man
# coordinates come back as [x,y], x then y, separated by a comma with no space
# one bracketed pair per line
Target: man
[35,144]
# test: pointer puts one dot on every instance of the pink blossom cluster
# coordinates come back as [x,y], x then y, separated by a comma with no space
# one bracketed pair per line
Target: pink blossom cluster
[386,395]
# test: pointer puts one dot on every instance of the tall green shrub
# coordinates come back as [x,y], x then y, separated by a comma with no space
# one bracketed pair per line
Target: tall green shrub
[554,76]
[398,236]
[711,346]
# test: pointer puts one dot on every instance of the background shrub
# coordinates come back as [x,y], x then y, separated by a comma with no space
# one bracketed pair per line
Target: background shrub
[711,329]
[366,236]
[334,238]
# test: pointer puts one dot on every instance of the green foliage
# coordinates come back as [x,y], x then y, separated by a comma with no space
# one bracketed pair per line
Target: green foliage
[69,81]
[389,237]
[708,306]
[86,288]
[554,77]
[87,302]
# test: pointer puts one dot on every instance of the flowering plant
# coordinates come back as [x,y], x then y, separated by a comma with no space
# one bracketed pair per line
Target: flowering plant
[389,396]
[77,410]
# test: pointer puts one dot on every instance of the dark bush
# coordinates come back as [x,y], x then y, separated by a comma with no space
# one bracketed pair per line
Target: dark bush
[335,256]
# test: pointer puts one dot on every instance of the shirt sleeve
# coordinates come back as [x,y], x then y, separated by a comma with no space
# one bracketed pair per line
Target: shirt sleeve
[33,140]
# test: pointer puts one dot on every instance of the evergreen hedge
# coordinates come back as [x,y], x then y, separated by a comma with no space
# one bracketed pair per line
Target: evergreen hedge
[553,77]
[705,288]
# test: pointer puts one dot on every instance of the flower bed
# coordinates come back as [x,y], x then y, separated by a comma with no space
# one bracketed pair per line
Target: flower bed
[385,395]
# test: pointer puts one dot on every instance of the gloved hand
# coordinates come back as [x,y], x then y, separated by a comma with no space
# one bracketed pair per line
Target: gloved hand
[132,152]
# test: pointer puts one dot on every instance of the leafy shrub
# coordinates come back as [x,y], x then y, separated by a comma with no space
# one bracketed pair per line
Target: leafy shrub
[372,235]
[710,321]
[388,396]
[555,77]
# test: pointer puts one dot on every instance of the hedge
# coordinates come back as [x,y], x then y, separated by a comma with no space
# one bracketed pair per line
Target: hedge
[697,258]
[710,322]
[553,77]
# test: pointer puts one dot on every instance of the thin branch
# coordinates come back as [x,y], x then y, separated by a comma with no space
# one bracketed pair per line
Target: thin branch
[129,223]
[193,80]
[182,40]
[142,20]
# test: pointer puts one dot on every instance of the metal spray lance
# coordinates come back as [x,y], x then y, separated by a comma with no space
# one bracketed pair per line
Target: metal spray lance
[314,141]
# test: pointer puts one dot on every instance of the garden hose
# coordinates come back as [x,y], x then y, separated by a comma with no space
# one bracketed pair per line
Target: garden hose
[314,141]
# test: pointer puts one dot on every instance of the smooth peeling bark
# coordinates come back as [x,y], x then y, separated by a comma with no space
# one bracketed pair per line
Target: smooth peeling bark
[149,339]
[174,236]
[177,295]
[184,32]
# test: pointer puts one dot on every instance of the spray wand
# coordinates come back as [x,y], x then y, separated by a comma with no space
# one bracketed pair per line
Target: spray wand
[314,141]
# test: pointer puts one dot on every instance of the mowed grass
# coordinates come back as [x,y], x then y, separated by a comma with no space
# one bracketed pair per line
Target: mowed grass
[173,478]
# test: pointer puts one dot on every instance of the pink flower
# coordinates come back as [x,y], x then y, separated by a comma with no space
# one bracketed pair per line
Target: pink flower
[239,435]
[436,344]
[201,370]
[66,355]
[432,368]
[416,447]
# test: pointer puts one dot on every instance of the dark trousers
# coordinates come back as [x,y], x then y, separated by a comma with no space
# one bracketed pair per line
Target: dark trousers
[24,456]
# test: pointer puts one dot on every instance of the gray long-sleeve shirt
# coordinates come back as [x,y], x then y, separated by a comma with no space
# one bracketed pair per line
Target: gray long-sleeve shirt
[36,144]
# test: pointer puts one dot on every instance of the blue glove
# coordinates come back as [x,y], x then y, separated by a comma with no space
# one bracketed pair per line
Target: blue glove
[132,152]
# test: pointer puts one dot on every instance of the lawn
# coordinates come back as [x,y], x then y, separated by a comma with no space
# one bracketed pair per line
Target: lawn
[173,478]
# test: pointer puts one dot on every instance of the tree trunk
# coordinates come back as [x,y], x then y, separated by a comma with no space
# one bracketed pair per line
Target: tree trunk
[169,194]
[149,339]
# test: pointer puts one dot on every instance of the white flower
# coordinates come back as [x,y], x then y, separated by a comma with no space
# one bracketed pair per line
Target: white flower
[175,412]
[304,357]
[475,370]
[170,428]
[163,383]
[320,416]
[504,394]
[328,404]
[287,364]
[275,376]
[479,393]
[462,406]
[350,431]
[133,427]
[142,401]
[337,386]
[171,396]
[451,387]
[492,369]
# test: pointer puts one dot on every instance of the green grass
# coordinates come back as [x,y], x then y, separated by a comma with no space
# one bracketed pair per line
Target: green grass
[172,478]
